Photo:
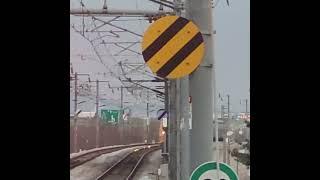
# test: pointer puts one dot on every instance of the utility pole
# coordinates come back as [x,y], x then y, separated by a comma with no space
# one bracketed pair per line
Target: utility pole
[97,116]
[121,115]
[75,128]
[75,125]
[224,134]
[202,91]
[75,92]
[229,139]
[121,120]
[121,98]
[228,106]
[226,130]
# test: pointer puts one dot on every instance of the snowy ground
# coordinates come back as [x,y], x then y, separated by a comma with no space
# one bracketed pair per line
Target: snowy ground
[150,164]
[92,169]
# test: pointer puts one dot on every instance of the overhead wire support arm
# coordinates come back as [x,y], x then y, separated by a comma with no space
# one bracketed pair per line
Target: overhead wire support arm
[122,42]
[164,3]
[152,80]
[104,23]
[117,27]
[118,12]
[126,49]
[129,80]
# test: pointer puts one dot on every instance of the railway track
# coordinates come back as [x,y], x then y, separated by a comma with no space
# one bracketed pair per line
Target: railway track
[81,159]
[126,168]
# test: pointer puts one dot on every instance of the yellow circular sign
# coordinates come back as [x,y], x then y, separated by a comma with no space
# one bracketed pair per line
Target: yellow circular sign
[172,47]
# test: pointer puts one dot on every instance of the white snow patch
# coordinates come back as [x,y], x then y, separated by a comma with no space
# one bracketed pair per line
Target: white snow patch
[72,155]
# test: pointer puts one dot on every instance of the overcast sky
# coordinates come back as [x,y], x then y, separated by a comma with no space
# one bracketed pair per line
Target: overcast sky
[232,45]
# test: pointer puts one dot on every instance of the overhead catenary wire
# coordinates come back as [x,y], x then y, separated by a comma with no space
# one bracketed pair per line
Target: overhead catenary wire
[95,48]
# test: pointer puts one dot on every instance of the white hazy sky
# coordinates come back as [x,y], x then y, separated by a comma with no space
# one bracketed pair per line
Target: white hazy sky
[232,45]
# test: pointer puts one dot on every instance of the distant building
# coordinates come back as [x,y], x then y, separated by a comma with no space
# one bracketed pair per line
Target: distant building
[244,116]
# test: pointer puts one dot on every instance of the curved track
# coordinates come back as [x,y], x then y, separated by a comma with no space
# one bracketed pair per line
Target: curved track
[81,159]
[126,168]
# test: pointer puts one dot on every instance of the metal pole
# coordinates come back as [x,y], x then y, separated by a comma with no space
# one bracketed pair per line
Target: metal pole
[178,130]
[246,105]
[75,92]
[147,103]
[237,166]
[97,116]
[224,134]
[148,117]
[228,106]
[229,150]
[217,143]
[202,90]
[166,101]
[75,128]
[121,99]
[121,123]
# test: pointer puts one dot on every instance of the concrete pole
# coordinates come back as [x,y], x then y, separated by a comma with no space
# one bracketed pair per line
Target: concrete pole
[184,129]
[202,90]
[97,116]
[183,169]
[172,131]
[173,123]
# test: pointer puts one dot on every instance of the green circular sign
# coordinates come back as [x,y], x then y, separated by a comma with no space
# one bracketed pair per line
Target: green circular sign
[208,171]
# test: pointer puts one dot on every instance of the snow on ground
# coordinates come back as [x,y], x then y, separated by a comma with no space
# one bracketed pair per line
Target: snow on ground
[92,169]
[150,165]
[72,155]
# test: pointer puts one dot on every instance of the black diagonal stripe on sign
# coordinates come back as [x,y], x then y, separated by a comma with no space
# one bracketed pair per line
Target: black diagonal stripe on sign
[161,116]
[157,44]
[180,55]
